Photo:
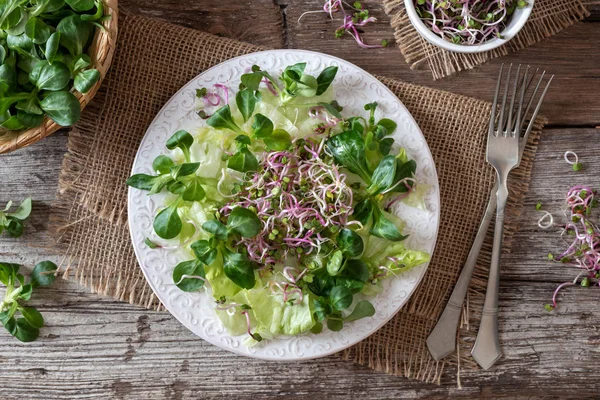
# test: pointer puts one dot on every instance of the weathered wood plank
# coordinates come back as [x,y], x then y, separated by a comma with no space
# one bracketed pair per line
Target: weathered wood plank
[573,56]
[96,347]
[255,21]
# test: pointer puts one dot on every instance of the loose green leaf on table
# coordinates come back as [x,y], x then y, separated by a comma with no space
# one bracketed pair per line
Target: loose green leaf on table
[12,222]
[26,327]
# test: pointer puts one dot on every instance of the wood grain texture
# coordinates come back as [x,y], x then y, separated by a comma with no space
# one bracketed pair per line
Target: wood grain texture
[97,348]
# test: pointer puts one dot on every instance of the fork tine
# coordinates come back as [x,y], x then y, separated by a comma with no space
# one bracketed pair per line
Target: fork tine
[537,108]
[511,107]
[495,103]
[537,86]
[502,110]
[521,98]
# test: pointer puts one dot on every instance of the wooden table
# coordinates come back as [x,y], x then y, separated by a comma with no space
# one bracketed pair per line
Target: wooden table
[96,347]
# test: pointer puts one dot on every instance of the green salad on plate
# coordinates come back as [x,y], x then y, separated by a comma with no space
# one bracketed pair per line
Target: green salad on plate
[283,204]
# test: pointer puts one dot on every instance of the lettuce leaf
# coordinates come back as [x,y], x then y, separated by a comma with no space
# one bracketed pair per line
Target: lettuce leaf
[274,316]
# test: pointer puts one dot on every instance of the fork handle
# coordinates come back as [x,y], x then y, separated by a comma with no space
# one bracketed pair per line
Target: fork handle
[486,350]
[442,339]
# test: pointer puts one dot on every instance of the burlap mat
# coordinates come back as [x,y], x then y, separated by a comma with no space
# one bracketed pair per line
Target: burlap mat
[547,18]
[153,60]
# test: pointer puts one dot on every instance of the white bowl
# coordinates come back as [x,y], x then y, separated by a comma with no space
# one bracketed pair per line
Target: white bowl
[517,21]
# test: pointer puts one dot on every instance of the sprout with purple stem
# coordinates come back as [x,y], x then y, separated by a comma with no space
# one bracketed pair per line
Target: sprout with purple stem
[359,18]
[583,249]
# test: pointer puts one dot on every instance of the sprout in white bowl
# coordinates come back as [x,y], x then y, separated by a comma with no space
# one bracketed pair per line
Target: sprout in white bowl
[468,26]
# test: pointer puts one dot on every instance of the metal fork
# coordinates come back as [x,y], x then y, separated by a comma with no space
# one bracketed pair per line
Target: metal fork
[442,340]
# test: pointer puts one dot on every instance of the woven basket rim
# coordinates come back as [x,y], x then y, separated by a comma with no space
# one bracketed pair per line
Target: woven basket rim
[101,53]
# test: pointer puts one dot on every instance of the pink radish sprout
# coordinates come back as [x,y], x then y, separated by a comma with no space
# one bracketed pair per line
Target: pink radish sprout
[297,196]
[359,18]
[582,237]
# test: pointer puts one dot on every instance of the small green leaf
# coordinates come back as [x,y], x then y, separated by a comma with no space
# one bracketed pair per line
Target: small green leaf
[363,211]
[141,181]
[162,164]
[182,140]
[14,228]
[357,270]
[23,211]
[384,228]
[244,222]
[33,316]
[167,223]
[62,107]
[80,5]
[348,149]
[308,86]
[52,47]
[388,124]
[85,80]
[43,274]
[8,272]
[80,62]
[252,80]
[363,309]
[340,297]
[317,328]
[46,76]
[262,126]
[204,252]
[325,78]
[279,140]
[243,161]
[350,243]
[334,265]
[238,269]
[403,171]
[331,109]
[74,33]
[383,176]
[37,30]
[194,190]
[216,228]
[185,273]
[335,325]
[150,244]
[385,146]
[322,309]
[23,331]
[222,119]
[246,102]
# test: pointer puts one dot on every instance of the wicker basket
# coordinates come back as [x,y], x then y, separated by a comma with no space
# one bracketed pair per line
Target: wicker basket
[101,52]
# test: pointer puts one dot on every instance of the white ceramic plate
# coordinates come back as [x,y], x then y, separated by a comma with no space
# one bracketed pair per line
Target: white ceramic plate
[353,87]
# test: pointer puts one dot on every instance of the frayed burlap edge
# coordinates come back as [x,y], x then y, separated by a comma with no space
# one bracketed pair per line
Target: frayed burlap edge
[417,51]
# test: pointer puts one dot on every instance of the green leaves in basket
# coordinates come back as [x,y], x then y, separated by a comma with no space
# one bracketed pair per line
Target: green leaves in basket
[25,328]
[12,222]
[43,56]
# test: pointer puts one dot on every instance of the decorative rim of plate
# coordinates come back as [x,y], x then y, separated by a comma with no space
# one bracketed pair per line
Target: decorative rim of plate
[242,350]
